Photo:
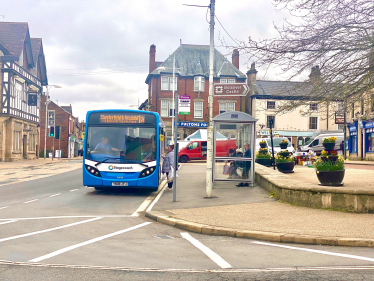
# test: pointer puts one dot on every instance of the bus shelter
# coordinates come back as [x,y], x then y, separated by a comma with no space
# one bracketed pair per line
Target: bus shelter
[234,157]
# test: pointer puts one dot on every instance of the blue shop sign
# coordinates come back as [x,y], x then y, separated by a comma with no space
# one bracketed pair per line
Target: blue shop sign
[193,124]
[352,129]
[369,125]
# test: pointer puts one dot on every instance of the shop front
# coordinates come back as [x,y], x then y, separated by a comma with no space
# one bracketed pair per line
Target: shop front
[369,140]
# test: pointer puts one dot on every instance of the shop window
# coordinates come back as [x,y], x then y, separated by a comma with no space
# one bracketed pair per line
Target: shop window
[370,142]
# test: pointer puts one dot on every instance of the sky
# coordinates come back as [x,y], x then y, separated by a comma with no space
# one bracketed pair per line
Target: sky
[98,51]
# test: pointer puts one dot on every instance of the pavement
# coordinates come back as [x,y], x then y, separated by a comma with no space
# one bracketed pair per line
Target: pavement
[251,212]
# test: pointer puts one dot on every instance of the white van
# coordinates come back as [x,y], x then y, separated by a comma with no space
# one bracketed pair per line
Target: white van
[315,144]
[276,142]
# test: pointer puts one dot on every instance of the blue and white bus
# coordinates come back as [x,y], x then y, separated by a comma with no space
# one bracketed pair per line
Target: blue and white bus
[122,148]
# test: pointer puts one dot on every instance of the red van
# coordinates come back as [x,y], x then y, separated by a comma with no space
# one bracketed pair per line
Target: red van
[196,150]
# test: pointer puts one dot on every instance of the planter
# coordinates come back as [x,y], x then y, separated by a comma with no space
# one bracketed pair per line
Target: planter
[284,154]
[264,161]
[286,167]
[331,158]
[331,178]
[263,145]
[283,145]
[329,146]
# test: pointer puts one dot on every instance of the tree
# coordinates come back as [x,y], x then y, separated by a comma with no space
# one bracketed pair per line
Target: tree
[336,35]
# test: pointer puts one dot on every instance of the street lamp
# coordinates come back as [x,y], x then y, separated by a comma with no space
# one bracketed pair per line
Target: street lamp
[46,116]
[134,105]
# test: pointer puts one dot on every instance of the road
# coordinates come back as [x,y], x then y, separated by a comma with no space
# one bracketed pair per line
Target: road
[55,229]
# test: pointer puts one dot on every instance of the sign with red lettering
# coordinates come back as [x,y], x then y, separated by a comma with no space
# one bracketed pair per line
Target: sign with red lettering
[236,89]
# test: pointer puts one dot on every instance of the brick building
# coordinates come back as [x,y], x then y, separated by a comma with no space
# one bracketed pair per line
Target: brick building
[23,74]
[192,79]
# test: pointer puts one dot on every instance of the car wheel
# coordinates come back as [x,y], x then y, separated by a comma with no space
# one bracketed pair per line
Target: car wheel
[183,159]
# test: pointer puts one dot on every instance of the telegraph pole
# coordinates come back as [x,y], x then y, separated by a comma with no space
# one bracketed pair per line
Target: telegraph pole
[209,162]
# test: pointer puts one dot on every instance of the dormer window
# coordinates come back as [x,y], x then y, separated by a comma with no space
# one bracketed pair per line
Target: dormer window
[226,81]
[199,84]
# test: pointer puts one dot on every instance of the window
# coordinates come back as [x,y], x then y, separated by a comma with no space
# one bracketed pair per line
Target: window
[340,106]
[268,120]
[313,123]
[16,140]
[231,81]
[341,127]
[226,106]
[198,109]
[193,145]
[167,108]
[362,107]
[353,111]
[31,142]
[270,105]
[199,84]
[313,107]
[223,81]
[167,83]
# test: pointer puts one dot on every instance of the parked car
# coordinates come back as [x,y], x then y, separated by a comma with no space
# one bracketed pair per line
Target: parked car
[315,144]
[196,150]
[276,142]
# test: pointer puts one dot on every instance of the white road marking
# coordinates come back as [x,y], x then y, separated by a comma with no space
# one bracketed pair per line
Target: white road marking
[64,250]
[316,251]
[9,221]
[212,255]
[47,230]
[158,197]
[4,207]
[74,190]
[30,201]
[67,217]
[57,194]
[144,205]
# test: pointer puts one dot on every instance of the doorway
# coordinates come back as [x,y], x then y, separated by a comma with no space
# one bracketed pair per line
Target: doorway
[24,146]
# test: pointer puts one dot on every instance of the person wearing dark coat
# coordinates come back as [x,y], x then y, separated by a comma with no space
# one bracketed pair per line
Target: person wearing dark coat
[246,164]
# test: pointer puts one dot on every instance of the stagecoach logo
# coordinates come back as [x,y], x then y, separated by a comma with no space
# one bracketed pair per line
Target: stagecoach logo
[111,167]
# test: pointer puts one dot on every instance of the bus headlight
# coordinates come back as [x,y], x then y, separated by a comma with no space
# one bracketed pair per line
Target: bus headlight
[147,172]
[93,171]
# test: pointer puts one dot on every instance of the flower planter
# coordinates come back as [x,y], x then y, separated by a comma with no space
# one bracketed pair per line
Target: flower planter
[331,158]
[263,145]
[329,146]
[264,161]
[286,167]
[283,145]
[284,154]
[331,178]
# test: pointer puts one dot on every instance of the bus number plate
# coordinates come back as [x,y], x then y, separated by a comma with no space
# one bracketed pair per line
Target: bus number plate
[120,183]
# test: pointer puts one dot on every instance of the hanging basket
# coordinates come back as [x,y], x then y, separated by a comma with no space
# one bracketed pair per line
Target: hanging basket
[329,146]
[283,145]
[263,145]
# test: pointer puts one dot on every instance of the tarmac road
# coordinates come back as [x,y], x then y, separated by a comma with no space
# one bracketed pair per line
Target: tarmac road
[56,221]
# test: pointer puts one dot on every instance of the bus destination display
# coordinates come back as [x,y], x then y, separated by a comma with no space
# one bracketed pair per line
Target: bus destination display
[122,119]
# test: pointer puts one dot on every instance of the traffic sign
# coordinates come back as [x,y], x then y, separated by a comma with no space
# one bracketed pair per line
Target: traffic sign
[236,89]
[51,118]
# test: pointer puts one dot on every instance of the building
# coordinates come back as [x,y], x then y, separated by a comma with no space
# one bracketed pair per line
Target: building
[23,75]
[191,79]
[299,124]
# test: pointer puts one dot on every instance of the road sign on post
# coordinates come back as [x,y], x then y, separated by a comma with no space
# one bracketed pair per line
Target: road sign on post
[51,118]
[184,105]
[232,90]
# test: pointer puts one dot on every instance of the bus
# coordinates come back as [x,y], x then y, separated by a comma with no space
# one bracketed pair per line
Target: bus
[122,149]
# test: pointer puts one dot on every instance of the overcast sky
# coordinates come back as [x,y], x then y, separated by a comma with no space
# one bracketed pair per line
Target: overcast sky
[98,51]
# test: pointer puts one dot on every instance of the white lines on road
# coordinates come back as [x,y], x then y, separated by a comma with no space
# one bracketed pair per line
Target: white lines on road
[212,255]
[9,221]
[4,207]
[48,230]
[67,217]
[87,242]
[73,190]
[53,195]
[315,251]
[30,201]
[158,196]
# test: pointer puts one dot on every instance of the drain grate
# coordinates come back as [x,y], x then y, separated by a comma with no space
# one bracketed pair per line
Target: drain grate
[163,236]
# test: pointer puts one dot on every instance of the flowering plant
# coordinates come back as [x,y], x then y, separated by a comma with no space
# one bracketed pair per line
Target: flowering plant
[329,140]
[263,141]
[282,159]
[329,165]
[327,154]
[263,155]
[264,149]
[284,141]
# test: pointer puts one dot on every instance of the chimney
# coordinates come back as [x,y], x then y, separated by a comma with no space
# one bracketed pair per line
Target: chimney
[315,72]
[152,58]
[251,75]
[235,58]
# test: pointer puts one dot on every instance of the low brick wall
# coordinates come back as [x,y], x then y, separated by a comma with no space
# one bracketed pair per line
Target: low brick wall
[315,196]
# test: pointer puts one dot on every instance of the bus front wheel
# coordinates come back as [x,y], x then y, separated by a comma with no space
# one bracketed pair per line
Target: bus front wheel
[183,159]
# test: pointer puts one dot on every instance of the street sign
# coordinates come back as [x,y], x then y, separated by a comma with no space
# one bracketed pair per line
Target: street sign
[193,124]
[51,118]
[184,107]
[339,118]
[232,90]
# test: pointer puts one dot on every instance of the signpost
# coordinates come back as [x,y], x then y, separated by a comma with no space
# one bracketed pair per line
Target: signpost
[184,105]
[232,90]
[339,118]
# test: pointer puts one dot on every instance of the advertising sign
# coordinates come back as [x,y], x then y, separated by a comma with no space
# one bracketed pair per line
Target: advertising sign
[184,105]
[193,124]
[236,89]
[51,118]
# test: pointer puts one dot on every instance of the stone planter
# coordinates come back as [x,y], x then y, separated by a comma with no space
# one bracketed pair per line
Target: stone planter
[329,146]
[283,145]
[286,167]
[264,161]
[331,178]
[263,145]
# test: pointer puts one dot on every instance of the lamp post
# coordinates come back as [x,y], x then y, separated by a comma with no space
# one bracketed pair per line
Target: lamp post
[46,116]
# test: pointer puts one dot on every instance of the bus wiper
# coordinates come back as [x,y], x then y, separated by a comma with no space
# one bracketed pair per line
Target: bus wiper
[103,161]
[134,161]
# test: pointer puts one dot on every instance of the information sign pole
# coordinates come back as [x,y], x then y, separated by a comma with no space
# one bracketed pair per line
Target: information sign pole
[176,149]
[271,138]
